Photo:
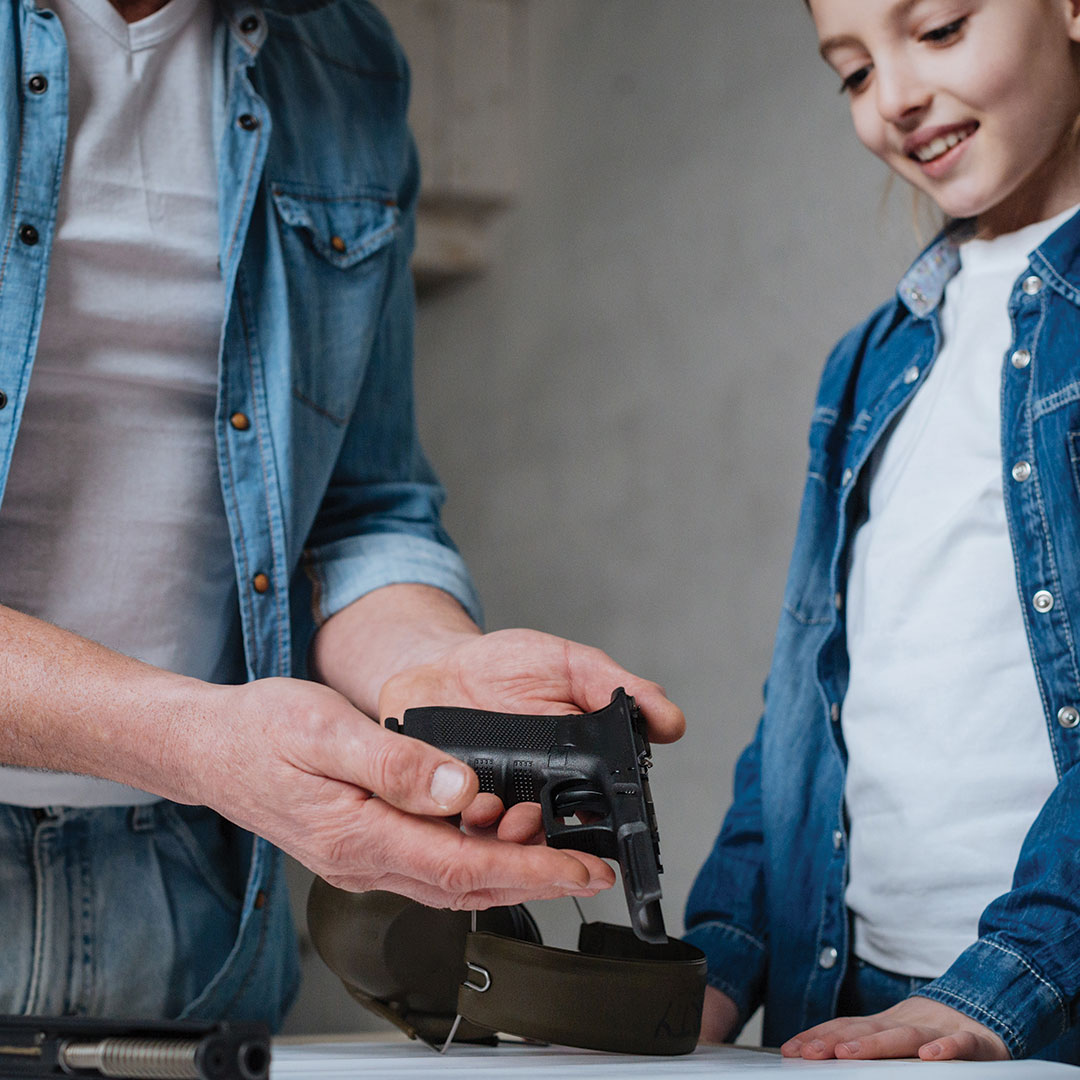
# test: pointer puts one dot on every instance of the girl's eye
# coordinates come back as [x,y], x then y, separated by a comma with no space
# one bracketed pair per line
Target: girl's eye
[944,34]
[854,82]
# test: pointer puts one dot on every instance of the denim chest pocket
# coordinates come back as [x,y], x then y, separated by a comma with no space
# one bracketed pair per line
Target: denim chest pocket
[337,257]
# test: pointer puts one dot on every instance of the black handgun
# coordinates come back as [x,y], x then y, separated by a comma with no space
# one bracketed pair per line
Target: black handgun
[593,764]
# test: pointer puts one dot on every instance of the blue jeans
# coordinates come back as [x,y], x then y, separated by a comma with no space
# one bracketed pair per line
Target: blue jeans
[867,989]
[127,912]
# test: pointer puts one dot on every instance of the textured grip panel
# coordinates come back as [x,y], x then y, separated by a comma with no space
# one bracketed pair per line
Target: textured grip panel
[484,767]
[468,728]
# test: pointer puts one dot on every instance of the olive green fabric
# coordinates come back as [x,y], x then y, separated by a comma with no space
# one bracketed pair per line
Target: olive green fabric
[624,1003]
[419,967]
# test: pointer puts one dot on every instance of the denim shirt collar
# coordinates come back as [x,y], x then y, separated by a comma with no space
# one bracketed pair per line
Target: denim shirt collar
[922,288]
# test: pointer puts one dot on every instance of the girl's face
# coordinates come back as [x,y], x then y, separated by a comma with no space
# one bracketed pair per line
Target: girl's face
[974,102]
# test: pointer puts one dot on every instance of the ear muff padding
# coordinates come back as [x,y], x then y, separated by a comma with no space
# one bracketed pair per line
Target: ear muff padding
[402,960]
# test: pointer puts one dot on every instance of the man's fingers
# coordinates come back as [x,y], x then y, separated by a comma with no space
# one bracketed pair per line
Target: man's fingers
[453,864]
[484,812]
[593,675]
[407,773]
[523,824]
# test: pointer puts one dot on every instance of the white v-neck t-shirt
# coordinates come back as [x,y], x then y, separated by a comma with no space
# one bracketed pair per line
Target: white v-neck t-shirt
[949,758]
[113,524]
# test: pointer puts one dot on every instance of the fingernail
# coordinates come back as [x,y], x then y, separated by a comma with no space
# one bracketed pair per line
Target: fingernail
[817,1046]
[791,1048]
[934,1049]
[849,1048]
[448,783]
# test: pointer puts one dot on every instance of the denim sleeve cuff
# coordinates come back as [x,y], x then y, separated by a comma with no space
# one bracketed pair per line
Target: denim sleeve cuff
[350,568]
[994,984]
[736,962]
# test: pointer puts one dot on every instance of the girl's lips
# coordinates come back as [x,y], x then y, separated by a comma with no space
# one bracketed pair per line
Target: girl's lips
[936,151]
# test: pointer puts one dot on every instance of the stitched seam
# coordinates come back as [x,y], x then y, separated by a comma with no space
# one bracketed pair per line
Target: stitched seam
[339,420]
[933,991]
[254,377]
[1049,985]
[1059,282]
[1067,395]
[247,191]
[1029,439]
[245,982]
[806,620]
[245,570]
[729,928]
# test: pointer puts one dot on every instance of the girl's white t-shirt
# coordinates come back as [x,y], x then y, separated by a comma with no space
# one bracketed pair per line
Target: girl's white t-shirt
[113,524]
[949,754]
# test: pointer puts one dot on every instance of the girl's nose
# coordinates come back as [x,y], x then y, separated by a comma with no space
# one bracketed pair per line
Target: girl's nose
[902,97]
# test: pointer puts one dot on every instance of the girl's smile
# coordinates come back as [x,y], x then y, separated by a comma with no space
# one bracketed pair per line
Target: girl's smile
[974,102]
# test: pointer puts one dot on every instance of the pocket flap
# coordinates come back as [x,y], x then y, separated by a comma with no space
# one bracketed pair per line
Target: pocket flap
[342,229]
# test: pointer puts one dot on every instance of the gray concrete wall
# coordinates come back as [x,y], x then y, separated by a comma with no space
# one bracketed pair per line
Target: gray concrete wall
[619,407]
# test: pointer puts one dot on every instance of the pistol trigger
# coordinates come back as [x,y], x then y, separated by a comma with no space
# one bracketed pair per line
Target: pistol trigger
[570,801]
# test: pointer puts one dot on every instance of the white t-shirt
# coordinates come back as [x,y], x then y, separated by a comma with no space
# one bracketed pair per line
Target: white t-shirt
[113,524]
[949,754]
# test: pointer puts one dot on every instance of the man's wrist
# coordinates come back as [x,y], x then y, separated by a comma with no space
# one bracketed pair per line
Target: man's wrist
[383,633]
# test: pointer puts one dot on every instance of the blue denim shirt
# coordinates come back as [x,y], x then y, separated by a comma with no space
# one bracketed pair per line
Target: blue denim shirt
[326,489]
[768,905]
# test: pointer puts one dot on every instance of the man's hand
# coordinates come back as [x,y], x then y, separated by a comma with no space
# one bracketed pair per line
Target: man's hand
[719,1016]
[916,1027]
[298,764]
[524,671]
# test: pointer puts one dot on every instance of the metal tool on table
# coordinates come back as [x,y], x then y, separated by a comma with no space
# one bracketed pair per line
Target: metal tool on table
[68,1046]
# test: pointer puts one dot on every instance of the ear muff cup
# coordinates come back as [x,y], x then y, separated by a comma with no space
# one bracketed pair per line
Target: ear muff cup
[404,961]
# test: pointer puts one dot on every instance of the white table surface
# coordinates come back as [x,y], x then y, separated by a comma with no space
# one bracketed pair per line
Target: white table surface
[395,1060]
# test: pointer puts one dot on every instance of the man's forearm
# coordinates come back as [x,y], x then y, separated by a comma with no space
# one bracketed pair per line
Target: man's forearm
[383,633]
[71,704]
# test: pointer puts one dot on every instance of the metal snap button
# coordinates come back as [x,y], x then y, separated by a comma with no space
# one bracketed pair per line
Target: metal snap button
[1021,471]
[249,25]
[337,244]
[846,479]
[837,839]
[1043,601]
[260,583]
[248,122]
[827,957]
[1069,717]
[37,84]
[3,400]
[911,375]
[1032,285]
[1021,358]
[28,235]
[240,421]
[834,712]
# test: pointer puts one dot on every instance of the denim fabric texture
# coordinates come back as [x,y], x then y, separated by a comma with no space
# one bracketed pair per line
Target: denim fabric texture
[326,488]
[768,904]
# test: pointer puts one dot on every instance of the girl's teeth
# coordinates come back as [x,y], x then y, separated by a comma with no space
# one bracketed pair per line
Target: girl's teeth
[939,146]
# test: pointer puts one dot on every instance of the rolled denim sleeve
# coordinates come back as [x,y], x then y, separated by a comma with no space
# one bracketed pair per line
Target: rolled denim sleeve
[1021,978]
[725,914]
[379,522]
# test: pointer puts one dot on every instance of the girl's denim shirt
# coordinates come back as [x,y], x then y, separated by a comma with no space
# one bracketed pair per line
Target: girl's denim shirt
[326,489]
[768,905]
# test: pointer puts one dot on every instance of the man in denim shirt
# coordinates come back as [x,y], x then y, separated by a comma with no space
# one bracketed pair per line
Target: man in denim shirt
[217,491]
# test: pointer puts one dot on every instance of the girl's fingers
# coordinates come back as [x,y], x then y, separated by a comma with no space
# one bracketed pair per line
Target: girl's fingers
[891,1043]
[963,1046]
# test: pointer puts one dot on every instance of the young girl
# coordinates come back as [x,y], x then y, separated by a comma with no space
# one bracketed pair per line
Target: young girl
[904,845]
